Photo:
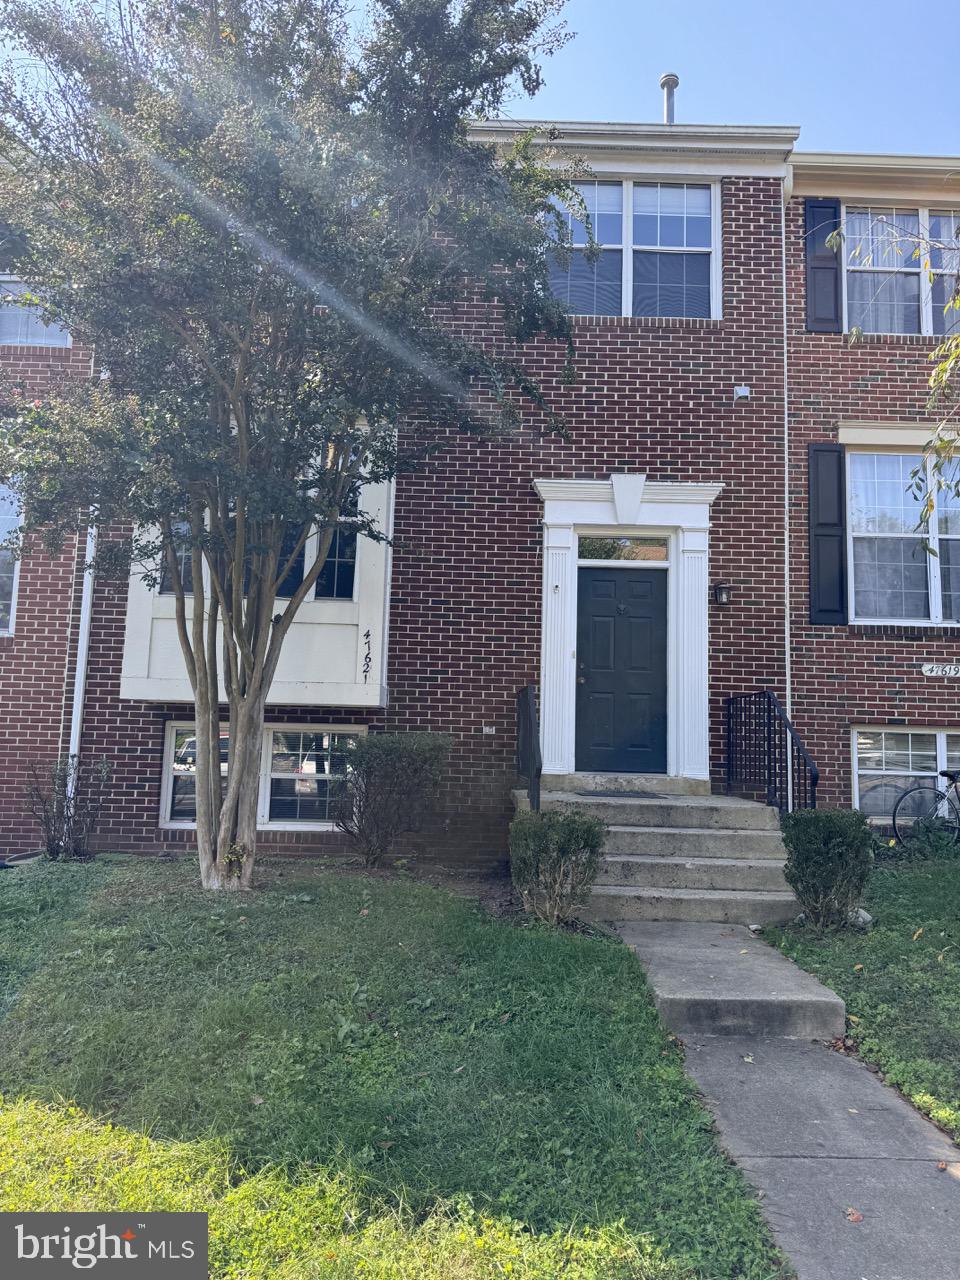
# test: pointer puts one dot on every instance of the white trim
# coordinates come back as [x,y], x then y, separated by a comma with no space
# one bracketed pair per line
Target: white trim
[882,435]
[173,727]
[83,653]
[680,512]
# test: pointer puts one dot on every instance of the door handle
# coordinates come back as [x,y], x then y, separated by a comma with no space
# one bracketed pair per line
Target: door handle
[581,679]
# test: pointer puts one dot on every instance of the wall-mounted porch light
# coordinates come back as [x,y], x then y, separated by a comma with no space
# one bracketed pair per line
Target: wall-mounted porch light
[722,593]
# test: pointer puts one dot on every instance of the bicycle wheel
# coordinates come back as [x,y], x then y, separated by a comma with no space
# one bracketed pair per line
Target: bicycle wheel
[926,808]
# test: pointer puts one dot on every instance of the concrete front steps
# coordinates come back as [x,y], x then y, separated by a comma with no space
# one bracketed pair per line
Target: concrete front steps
[676,853]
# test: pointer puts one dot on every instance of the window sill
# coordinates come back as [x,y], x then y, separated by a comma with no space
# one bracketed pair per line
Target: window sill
[648,322]
[907,630]
[261,826]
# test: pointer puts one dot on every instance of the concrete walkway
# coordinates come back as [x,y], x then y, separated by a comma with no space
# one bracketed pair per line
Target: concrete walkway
[855,1184]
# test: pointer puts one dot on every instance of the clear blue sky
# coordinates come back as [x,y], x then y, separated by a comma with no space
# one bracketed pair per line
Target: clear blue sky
[880,77]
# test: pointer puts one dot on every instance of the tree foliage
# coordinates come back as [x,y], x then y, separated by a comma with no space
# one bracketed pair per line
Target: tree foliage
[264,221]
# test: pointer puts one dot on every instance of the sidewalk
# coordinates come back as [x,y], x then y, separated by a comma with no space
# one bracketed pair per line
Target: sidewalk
[855,1184]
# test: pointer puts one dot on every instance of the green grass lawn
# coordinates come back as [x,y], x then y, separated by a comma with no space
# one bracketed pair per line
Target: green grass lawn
[901,981]
[434,1092]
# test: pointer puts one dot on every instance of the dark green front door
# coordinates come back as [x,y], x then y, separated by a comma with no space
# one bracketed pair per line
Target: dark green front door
[622,671]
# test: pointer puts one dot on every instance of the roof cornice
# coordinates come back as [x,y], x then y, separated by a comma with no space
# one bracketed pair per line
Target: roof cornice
[766,145]
[852,175]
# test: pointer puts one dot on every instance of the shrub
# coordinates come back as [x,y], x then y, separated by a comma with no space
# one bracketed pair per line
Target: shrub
[926,841]
[392,784]
[554,859]
[829,856]
[65,798]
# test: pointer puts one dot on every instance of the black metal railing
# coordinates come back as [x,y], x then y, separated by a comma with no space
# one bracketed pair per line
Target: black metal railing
[765,757]
[529,760]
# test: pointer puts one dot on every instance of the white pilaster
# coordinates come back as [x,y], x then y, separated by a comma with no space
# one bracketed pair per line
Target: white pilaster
[558,682]
[693,730]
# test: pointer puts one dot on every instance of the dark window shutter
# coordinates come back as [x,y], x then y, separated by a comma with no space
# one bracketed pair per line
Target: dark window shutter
[824,305]
[828,536]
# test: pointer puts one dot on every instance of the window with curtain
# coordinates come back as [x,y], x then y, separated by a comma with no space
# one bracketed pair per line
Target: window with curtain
[945,266]
[902,267]
[307,773]
[900,571]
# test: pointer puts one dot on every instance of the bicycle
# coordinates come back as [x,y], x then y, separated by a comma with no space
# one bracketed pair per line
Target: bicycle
[927,807]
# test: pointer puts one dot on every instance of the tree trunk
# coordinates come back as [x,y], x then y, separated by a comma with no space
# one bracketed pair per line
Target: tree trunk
[228,862]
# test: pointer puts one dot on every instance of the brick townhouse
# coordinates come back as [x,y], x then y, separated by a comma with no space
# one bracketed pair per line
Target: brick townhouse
[728,515]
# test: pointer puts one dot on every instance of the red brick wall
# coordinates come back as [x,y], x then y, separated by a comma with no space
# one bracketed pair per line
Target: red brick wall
[853,675]
[36,662]
[651,396]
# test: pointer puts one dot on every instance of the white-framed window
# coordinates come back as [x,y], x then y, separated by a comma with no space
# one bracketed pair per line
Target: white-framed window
[9,564]
[21,324]
[894,280]
[302,770]
[889,759]
[897,571]
[337,580]
[659,251]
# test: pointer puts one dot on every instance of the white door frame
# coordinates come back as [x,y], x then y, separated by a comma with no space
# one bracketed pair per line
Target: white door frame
[631,506]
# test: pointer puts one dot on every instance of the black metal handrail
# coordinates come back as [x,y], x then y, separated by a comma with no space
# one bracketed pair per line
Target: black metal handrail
[529,760]
[765,756]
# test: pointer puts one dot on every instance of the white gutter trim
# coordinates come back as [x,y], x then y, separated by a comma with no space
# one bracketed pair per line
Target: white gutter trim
[83,653]
[787,642]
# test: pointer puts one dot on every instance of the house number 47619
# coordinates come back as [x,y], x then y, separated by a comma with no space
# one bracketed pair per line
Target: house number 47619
[941,669]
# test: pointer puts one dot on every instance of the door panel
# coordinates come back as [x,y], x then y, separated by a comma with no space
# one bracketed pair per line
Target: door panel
[621,671]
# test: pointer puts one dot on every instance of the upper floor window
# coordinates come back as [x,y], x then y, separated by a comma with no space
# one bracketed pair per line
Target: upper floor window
[21,324]
[900,571]
[336,580]
[671,264]
[901,269]
[9,566]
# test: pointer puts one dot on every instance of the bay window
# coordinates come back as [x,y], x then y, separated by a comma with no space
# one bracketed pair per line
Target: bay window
[658,251]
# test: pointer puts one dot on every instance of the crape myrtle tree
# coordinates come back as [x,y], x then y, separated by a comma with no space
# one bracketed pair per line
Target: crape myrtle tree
[261,215]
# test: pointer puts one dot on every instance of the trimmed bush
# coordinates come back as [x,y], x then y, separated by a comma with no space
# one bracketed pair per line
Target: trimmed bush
[554,859]
[391,788]
[829,856]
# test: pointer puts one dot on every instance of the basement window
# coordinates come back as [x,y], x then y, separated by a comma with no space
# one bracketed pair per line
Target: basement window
[303,769]
[889,760]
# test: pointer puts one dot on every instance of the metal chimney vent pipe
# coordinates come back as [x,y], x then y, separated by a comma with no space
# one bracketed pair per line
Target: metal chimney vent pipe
[668,82]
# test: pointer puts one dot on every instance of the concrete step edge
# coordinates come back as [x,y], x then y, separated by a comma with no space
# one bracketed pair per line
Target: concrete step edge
[680,895]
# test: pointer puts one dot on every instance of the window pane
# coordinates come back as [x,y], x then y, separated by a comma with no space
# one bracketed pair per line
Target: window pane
[670,215]
[590,288]
[945,240]
[901,758]
[946,317]
[950,578]
[953,750]
[337,575]
[183,791]
[21,325]
[304,792]
[881,498]
[603,548]
[884,302]
[870,750]
[671,284]
[181,532]
[604,206]
[879,793]
[890,578]
[293,579]
[883,237]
